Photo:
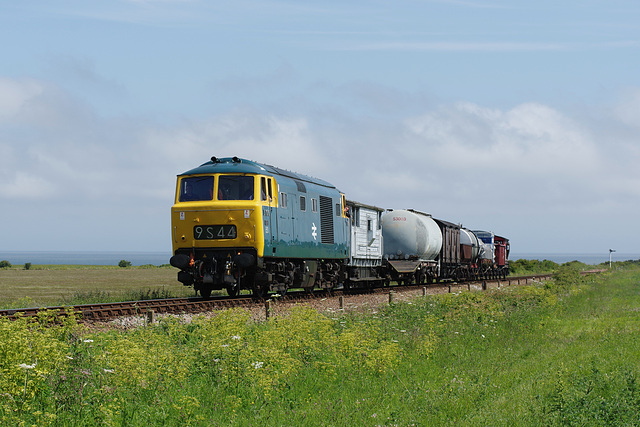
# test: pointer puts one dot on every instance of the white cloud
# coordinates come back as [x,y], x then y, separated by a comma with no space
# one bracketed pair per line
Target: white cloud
[24,185]
[462,162]
[15,95]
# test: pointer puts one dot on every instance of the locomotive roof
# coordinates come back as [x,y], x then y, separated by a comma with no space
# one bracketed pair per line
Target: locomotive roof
[238,165]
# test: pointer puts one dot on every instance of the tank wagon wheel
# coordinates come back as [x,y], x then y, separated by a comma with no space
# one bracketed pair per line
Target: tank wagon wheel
[205,293]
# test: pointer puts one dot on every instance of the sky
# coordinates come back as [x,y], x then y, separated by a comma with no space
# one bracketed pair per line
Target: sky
[518,117]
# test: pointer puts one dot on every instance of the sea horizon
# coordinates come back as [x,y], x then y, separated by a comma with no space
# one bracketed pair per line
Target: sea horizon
[160,257]
[85,257]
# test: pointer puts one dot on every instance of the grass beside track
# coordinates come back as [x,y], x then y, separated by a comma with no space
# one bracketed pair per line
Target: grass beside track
[49,285]
[564,352]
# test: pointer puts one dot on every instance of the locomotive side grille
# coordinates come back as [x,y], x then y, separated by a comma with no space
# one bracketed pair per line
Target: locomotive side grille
[326,220]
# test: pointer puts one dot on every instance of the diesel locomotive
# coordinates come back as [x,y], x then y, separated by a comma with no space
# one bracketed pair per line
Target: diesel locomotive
[238,224]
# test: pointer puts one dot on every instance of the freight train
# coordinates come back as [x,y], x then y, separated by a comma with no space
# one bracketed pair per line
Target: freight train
[238,224]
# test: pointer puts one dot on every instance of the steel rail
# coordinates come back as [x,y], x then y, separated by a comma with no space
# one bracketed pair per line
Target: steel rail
[106,311]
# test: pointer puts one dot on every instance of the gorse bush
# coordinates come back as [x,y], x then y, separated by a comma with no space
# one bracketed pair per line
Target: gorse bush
[531,266]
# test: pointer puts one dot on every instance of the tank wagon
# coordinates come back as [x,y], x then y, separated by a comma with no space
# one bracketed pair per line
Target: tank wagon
[238,224]
[412,244]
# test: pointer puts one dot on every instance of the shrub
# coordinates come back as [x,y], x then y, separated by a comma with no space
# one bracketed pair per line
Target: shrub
[124,263]
[27,266]
[5,264]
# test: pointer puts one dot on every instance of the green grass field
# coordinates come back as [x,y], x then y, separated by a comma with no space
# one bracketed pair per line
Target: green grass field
[47,285]
[565,352]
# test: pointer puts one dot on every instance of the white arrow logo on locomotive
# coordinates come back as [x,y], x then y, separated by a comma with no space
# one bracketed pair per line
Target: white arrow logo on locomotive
[313,229]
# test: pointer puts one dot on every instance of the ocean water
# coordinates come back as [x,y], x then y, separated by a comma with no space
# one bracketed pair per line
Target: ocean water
[159,258]
[591,259]
[85,258]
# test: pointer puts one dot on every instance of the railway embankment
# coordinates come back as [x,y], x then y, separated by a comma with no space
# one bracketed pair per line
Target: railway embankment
[554,352]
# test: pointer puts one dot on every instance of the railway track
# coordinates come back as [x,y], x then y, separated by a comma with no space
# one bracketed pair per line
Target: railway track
[107,311]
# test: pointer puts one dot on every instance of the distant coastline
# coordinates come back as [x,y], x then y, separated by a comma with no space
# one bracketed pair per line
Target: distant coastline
[159,258]
[84,257]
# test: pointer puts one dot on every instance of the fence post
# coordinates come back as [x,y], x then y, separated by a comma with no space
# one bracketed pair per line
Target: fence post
[341,300]
[484,285]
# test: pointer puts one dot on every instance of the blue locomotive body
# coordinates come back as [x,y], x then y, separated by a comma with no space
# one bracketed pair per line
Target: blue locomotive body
[239,224]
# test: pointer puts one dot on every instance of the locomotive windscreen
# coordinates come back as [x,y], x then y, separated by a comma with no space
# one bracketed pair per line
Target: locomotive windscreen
[235,187]
[196,189]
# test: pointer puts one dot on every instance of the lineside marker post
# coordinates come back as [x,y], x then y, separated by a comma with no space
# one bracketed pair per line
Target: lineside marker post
[341,300]
[424,291]
[149,316]
[267,309]
[484,285]
[391,295]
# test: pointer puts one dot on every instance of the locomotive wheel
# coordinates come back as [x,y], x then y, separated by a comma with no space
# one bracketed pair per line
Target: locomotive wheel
[205,292]
[232,290]
[259,291]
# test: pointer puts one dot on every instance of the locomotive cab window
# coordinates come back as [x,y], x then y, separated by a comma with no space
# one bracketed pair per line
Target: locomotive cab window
[235,187]
[303,203]
[195,189]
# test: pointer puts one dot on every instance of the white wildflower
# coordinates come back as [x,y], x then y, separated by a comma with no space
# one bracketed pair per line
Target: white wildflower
[25,366]
[87,341]
[257,365]
[235,337]
[109,371]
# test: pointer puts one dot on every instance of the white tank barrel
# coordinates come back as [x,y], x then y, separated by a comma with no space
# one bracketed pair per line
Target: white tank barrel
[410,235]
[467,238]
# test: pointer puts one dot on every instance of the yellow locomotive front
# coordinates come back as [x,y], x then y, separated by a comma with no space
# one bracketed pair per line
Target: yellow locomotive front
[217,225]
